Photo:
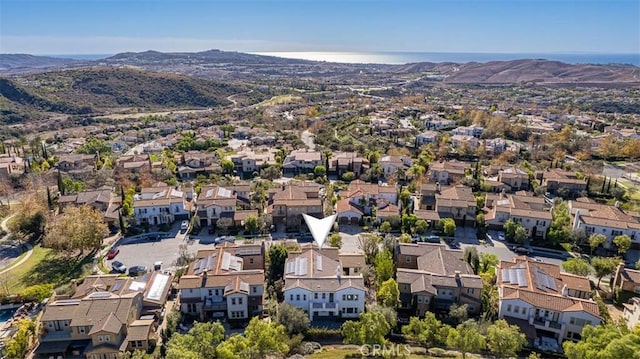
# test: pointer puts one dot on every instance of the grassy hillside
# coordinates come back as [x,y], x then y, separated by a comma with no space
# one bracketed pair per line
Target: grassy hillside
[91,90]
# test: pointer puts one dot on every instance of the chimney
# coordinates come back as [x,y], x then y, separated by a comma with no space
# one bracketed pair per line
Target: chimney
[438,187]
[74,285]
[576,219]
[565,291]
[617,204]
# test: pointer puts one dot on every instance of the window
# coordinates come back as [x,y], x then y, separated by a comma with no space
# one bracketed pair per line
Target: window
[291,297]
[210,292]
[419,301]
[139,343]
[509,308]
[254,289]
[324,295]
[470,290]
[81,330]
[217,292]
[100,338]
[107,338]
[304,297]
[240,301]
[250,260]
[233,301]
[315,295]
[408,259]
[297,296]
[516,309]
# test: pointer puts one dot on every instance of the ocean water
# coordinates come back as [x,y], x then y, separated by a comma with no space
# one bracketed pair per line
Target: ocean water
[398,58]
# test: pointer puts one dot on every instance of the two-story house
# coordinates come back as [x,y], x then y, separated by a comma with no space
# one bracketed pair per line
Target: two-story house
[133,164]
[227,281]
[447,172]
[316,282]
[392,164]
[338,163]
[554,179]
[426,138]
[432,278]
[510,178]
[301,161]
[102,200]
[247,162]
[611,221]
[11,165]
[77,166]
[549,306]
[626,280]
[473,131]
[457,202]
[215,202]
[194,163]
[531,212]
[100,325]
[287,203]
[162,205]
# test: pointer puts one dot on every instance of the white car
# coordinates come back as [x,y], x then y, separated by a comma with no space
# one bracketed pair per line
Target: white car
[184,225]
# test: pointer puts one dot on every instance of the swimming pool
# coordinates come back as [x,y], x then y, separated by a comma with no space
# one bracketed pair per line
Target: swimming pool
[6,314]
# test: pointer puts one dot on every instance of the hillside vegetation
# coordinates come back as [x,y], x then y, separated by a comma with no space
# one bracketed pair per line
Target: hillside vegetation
[92,90]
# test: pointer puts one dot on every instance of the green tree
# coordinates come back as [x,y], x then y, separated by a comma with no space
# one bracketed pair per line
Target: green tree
[199,342]
[266,338]
[227,166]
[448,226]
[93,146]
[520,235]
[421,226]
[509,228]
[623,242]
[466,338]
[252,224]
[428,332]
[389,294]
[383,264]
[335,240]
[505,340]
[389,313]
[404,238]
[78,228]
[459,313]
[368,243]
[370,329]
[596,240]
[606,341]
[560,223]
[604,266]
[38,292]
[136,354]
[488,263]
[385,227]
[294,319]
[405,199]
[277,257]
[470,255]
[236,347]
[577,266]
[224,223]
[489,296]
[18,345]
[319,171]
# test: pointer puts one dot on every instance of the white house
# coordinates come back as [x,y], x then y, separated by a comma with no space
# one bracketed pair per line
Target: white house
[549,306]
[473,131]
[426,137]
[315,282]
[611,221]
[391,164]
[162,205]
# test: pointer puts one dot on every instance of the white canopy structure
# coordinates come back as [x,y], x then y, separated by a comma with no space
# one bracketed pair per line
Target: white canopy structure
[319,227]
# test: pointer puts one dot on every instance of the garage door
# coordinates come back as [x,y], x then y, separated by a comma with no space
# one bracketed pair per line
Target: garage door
[355,220]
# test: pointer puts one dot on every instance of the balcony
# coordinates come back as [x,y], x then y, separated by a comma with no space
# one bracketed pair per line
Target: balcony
[52,335]
[210,305]
[321,306]
[545,323]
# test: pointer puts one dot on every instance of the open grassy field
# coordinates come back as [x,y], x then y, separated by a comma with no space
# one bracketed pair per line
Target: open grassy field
[278,100]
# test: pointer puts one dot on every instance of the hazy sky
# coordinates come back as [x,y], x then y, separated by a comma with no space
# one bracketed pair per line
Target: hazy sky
[513,26]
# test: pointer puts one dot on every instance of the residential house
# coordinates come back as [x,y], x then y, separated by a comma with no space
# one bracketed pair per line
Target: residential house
[437,123]
[315,282]
[447,172]
[392,164]
[457,202]
[362,198]
[162,204]
[301,161]
[287,203]
[215,202]
[102,200]
[77,166]
[432,278]
[495,146]
[247,162]
[473,131]
[100,325]
[554,179]
[459,140]
[338,163]
[622,133]
[11,165]
[426,138]
[631,312]
[226,281]
[611,221]
[194,163]
[531,212]
[549,306]
[627,280]
[134,164]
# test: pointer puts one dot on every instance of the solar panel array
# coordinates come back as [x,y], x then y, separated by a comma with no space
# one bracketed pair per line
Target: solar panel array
[297,266]
[515,275]
[544,281]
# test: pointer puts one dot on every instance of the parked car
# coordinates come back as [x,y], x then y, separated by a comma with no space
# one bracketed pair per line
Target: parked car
[522,250]
[184,225]
[138,270]
[118,267]
[501,236]
[230,239]
[432,239]
[113,252]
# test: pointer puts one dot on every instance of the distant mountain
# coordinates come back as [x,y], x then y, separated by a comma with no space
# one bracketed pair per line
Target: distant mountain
[89,90]
[13,62]
[210,56]
[539,71]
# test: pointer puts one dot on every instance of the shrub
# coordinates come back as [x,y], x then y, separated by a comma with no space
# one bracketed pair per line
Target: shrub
[318,334]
